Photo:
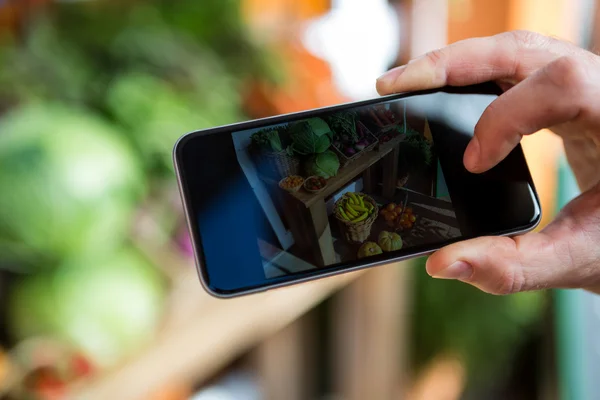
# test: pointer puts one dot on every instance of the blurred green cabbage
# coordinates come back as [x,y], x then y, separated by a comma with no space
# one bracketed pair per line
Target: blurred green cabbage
[93,96]
[70,185]
[159,69]
[107,306]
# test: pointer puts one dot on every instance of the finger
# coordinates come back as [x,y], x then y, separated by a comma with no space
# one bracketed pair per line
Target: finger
[509,57]
[553,95]
[564,255]
[494,264]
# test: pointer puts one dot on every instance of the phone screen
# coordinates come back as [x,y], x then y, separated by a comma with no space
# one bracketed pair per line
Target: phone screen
[344,187]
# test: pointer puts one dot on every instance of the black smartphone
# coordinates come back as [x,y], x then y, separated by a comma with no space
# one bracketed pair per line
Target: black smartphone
[297,197]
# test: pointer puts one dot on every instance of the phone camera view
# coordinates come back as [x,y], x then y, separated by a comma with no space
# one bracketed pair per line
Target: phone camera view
[346,186]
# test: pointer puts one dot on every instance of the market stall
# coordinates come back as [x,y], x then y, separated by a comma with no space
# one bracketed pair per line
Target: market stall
[334,186]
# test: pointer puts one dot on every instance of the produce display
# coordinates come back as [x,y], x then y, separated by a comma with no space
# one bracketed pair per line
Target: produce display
[326,164]
[86,164]
[382,115]
[351,137]
[387,134]
[267,139]
[313,146]
[416,149]
[389,241]
[291,183]
[369,249]
[367,223]
[385,240]
[119,298]
[398,217]
[48,367]
[354,208]
[315,183]
[71,185]
[310,136]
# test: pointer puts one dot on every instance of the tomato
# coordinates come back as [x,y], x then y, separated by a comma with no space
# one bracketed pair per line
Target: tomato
[81,365]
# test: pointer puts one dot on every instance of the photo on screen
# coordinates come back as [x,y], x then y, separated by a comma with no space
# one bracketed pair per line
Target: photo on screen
[346,185]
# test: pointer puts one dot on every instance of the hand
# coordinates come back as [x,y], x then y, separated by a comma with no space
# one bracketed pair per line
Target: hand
[547,83]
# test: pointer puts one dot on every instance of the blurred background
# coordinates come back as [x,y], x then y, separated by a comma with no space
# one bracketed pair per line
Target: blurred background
[99,295]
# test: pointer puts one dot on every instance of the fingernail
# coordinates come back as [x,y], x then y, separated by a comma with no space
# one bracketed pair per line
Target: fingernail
[391,75]
[472,154]
[456,270]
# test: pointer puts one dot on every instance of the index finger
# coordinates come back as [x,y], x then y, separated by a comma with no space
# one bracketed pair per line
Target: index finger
[510,56]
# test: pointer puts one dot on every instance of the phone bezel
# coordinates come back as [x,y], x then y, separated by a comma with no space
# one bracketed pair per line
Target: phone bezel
[201,268]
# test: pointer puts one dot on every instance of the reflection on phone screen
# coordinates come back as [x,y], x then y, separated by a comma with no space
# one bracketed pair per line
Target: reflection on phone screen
[345,186]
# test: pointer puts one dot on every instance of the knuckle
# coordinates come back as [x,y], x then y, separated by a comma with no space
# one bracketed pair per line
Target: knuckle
[508,284]
[509,277]
[435,57]
[566,72]
[527,39]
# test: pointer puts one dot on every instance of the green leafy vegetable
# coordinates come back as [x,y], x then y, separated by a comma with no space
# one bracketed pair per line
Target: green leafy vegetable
[311,136]
[344,123]
[108,306]
[71,185]
[415,148]
[325,164]
[268,139]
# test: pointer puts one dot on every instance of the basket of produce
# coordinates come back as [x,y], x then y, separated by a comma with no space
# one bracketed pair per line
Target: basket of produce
[383,117]
[355,213]
[271,158]
[386,134]
[386,242]
[315,184]
[281,163]
[291,183]
[351,138]
[383,122]
[398,216]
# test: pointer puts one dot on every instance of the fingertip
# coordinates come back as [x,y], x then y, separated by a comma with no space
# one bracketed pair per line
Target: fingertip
[471,158]
[385,83]
[459,270]
[429,266]
[381,88]
[435,262]
[492,264]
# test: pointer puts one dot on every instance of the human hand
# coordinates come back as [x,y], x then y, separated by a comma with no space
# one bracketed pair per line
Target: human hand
[547,83]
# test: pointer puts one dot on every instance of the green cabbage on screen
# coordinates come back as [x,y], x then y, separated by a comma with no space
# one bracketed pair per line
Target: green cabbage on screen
[324,164]
[311,136]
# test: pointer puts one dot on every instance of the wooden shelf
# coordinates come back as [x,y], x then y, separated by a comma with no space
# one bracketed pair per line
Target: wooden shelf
[345,174]
[203,334]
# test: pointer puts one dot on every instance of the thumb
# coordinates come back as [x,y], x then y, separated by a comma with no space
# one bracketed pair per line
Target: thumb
[566,254]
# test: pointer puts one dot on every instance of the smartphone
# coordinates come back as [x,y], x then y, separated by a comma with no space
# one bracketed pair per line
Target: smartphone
[302,196]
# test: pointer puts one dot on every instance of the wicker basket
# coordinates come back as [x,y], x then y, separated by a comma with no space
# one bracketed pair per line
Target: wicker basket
[356,232]
[345,160]
[277,165]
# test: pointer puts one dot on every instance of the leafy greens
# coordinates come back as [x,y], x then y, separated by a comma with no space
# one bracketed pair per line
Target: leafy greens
[311,136]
